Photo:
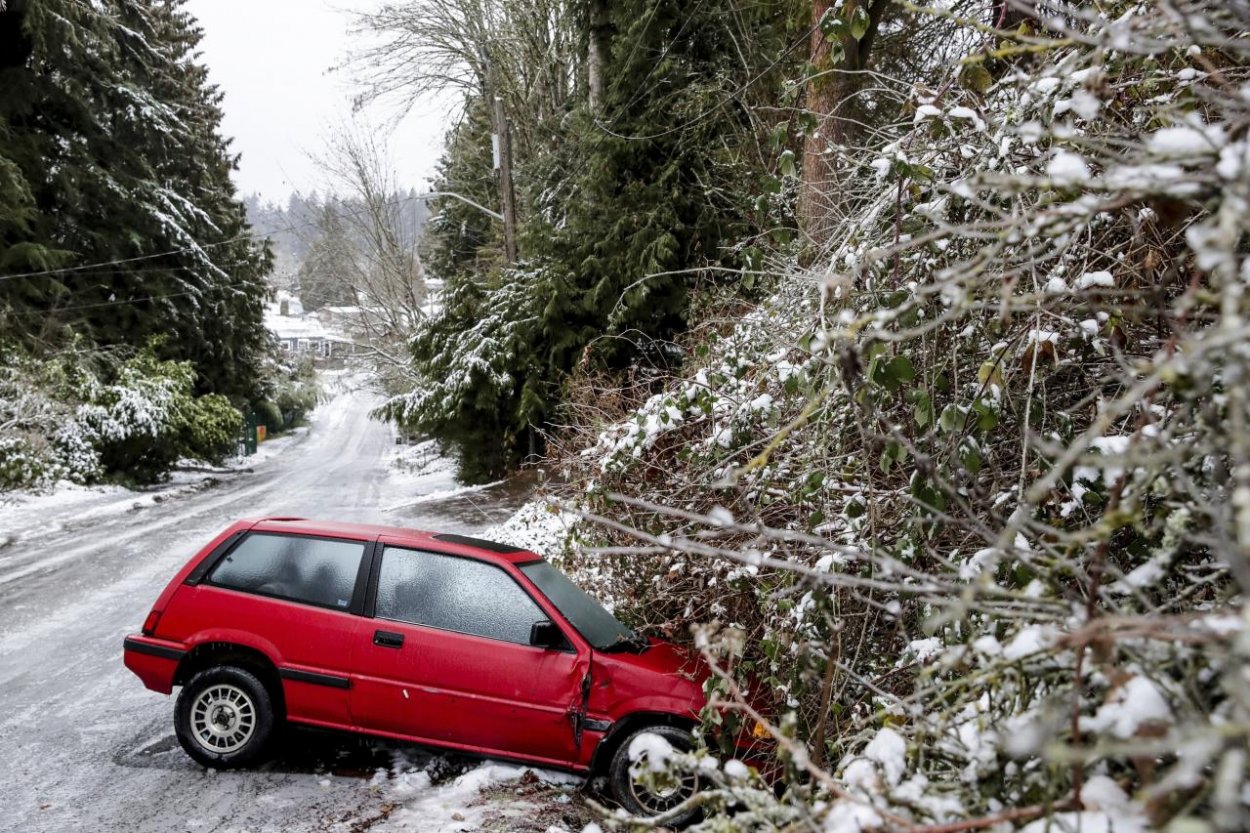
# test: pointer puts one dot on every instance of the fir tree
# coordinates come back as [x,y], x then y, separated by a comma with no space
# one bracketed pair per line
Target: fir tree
[624,211]
[117,174]
[325,274]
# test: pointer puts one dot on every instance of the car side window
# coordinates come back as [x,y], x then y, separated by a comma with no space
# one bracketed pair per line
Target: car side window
[318,571]
[454,594]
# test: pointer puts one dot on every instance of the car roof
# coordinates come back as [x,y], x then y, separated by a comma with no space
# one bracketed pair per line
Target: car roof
[446,542]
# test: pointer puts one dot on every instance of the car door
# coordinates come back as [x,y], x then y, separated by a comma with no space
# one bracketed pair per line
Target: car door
[297,599]
[448,660]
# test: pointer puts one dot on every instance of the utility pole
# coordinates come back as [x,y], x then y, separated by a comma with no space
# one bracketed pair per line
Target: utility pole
[501,151]
[501,145]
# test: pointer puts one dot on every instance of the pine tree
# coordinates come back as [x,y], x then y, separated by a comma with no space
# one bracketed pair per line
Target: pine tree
[325,274]
[114,136]
[623,211]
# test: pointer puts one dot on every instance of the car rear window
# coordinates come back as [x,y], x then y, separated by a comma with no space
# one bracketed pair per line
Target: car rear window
[454,594]
[318,571]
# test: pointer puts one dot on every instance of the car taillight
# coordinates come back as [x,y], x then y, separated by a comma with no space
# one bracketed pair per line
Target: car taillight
[149,624]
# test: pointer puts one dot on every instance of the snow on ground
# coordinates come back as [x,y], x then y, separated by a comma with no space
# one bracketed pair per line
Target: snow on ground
[25,515]
[540,526]
[472,801]
[419,469]
[106,756]
[422,492]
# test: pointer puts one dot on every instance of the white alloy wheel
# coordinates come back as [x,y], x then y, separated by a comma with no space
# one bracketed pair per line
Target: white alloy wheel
[223,718]
[646,793]
[663,796]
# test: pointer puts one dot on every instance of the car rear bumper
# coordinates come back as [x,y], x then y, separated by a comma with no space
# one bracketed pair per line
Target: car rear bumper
[154,661]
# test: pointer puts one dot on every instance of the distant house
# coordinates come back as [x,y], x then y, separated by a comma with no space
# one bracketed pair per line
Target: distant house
[342,319]
[301,334]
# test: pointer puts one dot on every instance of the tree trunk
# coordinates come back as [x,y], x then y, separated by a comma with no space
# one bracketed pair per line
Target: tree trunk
[597,53]
[832,100]
[820,101]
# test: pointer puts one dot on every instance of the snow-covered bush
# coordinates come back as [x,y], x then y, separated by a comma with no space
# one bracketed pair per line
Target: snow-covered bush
[37,399]
[133,422]
[981,506]
[463,387]
[22,464]
[79,417]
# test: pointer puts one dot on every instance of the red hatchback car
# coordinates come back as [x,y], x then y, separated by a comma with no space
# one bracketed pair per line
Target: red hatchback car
[438,639]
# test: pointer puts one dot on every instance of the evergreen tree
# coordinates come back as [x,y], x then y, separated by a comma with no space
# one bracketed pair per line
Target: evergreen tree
[474,357]
[624,210]
[325,275]
[114,156]
[461,242]
[663,185]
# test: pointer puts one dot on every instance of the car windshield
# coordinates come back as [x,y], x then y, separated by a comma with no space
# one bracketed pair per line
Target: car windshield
[600,628]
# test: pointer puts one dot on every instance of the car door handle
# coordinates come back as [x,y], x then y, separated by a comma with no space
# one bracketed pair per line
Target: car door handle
[388,639]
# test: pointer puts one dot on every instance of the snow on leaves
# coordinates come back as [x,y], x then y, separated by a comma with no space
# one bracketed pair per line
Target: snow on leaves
[996,434]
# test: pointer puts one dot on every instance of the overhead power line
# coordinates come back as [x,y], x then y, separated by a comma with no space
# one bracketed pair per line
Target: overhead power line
[127,301]
[605,127]
[104,264]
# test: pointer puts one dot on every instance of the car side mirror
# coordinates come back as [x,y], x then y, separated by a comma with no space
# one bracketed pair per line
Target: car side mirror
[545,634]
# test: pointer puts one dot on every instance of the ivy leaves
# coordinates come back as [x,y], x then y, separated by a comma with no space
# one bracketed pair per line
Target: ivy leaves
[840,22]
[890,373]
[920,409]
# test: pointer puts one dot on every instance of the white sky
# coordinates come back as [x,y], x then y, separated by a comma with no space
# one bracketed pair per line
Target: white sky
[271,59]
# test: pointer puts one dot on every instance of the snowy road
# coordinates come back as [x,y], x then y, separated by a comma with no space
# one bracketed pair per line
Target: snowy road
[83,746]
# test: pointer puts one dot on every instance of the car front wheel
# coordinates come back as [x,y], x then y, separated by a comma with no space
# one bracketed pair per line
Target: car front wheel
[224,717]
[647,793]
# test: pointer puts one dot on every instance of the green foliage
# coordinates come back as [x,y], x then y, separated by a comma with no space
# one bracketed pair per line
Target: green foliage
[147,419]
[479,359]
[212,429]
[624,213]
[110,154]
[23,464]
[87,416]
[291,389]
[463,245]
[270,416]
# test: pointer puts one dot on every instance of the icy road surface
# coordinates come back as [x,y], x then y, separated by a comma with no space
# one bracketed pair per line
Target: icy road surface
[83,746]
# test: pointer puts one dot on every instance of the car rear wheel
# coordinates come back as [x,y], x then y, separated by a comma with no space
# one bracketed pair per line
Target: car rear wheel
[224,717]
[646,793]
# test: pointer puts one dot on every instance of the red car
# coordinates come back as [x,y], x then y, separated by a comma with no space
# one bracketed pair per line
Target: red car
[438,639]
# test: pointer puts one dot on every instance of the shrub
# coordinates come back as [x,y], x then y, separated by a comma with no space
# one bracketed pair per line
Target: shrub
[270,416]
[292,391]
[972,498]
[83,416]
[23,465]
[212,431]
[138,424]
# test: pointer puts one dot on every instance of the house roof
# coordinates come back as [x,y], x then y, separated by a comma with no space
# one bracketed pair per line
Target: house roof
[297,325]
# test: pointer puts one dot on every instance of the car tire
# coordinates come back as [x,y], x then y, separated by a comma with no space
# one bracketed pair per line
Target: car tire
[224,717]
[640,800]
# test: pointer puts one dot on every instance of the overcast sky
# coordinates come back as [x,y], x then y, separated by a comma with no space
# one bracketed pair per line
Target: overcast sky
[270,58]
